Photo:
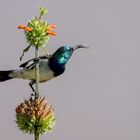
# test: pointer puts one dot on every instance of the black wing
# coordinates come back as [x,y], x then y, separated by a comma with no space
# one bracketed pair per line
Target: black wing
[33,61]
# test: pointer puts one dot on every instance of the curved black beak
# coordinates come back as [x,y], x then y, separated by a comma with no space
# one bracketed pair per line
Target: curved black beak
[80,46]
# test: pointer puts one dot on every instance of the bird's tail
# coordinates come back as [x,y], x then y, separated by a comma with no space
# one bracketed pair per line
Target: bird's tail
[5,75]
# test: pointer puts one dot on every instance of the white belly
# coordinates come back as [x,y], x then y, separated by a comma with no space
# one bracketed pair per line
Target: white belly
[45,73]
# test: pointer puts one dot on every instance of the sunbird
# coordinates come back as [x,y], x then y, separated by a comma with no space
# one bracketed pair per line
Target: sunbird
[49,66]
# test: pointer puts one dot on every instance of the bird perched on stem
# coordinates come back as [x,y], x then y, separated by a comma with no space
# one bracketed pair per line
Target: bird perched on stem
[49,67]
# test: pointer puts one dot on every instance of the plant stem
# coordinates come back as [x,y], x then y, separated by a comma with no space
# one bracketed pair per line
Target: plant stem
[36,134]
[37,74]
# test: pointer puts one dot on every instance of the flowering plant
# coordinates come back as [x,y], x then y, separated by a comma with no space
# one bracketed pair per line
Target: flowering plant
[35,115]
[38,32]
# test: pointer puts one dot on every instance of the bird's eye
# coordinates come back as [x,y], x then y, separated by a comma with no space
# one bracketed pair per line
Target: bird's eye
[70,49]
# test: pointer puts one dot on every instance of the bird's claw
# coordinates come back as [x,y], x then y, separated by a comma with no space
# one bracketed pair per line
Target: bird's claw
[31,86]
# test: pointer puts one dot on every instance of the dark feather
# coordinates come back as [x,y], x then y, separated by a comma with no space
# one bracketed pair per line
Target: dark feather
[56,67]
[4,75]
[33,61]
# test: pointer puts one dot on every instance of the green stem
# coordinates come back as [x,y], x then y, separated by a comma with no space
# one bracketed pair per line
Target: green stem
[37,74]
[36,134]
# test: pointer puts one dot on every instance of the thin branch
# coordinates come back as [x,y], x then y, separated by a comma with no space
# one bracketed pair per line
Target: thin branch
[36,134]
[37,75]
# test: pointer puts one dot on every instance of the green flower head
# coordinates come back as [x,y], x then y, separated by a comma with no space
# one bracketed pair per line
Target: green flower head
[37,31]
[39,115]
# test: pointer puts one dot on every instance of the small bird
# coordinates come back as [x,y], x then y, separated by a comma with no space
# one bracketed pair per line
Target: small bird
[49,67]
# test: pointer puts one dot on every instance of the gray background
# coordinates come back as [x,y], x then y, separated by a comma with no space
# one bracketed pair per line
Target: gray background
[98,97]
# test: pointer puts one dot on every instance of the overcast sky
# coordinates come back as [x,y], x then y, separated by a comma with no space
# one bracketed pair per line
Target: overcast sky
[98,97]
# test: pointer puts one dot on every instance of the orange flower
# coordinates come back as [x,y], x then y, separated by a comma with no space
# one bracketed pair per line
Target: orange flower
[51,33]
[29,29]
[52,26]
[26,28]
[21,27]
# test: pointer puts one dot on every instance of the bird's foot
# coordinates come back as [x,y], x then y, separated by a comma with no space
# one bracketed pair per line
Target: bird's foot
[34,94]
[31,86]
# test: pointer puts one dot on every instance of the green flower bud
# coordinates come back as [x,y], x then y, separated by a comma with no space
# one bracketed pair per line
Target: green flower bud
[43,11]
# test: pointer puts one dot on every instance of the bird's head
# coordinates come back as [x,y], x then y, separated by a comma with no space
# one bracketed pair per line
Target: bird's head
[63,54]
